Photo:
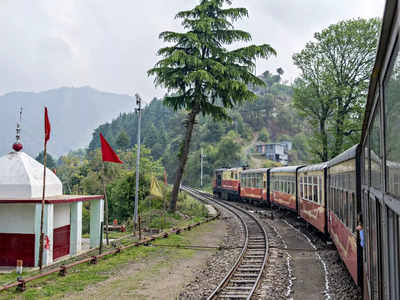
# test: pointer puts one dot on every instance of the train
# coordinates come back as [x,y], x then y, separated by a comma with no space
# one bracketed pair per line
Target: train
[354,198]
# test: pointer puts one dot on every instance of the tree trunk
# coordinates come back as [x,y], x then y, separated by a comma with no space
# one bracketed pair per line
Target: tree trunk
[324,138]
[339,134]
[182,160]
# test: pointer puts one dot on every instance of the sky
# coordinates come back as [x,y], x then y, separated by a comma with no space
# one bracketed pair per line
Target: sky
[110,45]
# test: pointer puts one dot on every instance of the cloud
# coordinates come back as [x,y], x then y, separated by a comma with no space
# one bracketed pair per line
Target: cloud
[110,45]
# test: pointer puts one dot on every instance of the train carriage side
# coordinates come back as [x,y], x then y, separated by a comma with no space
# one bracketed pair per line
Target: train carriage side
[380,142]
[254,184]
[344,207]
[312,195]
[283,187]
[230,186]
[217,182]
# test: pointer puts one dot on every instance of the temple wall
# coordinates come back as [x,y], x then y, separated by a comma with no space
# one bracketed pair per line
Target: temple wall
[61,215]
[17,218]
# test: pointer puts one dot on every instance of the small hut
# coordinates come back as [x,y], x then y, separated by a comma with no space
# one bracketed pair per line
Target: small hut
[21,187]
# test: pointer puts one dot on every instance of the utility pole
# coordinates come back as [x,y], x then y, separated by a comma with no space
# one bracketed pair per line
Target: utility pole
[139,111]
[202,156]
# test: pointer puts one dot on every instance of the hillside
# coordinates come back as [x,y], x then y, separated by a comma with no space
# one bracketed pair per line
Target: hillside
[74,114]
[270,118]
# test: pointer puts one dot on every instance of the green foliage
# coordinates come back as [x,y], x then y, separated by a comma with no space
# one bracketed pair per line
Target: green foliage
[50,162]
[123,140]
[201,74]
[263,135]
[331,90]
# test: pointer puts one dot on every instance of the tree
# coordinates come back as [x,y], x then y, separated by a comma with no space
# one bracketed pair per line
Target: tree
[50,162]
[123,140]
[264,135]
[335,71]
[202,75]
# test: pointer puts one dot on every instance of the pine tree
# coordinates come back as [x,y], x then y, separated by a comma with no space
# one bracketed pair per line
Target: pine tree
[201,74]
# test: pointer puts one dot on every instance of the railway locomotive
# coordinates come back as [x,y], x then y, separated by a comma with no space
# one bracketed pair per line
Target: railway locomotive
[354,198]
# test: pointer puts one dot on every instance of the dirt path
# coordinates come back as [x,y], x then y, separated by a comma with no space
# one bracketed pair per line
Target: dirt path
[159,277]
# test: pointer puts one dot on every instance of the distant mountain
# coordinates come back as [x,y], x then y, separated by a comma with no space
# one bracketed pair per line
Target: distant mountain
[74,114]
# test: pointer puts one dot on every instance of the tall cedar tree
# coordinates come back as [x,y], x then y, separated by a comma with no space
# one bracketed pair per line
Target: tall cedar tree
[202,76]
[333,84]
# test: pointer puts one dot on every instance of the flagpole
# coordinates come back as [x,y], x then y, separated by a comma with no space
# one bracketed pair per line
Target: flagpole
[106,203]
[42,214]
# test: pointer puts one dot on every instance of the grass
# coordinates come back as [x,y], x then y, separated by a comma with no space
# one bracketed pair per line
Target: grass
[81,276]
[190,211]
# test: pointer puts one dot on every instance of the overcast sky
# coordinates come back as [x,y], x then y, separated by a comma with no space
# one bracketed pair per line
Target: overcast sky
[110,45]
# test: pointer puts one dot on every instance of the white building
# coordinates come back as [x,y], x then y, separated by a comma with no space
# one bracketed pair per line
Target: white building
[275,151]
[21,187]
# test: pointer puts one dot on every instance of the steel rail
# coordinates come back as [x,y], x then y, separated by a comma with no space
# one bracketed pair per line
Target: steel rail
[62,270]
[219,290]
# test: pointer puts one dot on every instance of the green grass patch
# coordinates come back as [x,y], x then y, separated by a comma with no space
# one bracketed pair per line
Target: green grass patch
[79,277]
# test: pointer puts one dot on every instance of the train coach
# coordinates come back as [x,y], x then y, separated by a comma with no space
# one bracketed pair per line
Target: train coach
[283,183]
[380,153]
[344,209]
[312,196]
[254,187]
[226,184]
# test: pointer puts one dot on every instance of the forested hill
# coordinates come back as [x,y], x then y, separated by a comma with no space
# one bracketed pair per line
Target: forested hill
[270,118]
[74,114]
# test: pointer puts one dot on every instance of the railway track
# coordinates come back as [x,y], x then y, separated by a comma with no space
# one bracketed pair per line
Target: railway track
[243,278]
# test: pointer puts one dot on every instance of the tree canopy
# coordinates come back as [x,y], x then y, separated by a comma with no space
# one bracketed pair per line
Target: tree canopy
[331,90]
[201,74]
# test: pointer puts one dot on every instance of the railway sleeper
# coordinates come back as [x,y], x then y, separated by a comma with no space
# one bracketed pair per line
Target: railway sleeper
[238,288]
[245,275]
[254,256]
[249,269]
[242,281]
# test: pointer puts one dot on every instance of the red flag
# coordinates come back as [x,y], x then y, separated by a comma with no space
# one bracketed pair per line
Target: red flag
[165,177]
[107,152]
[47,127]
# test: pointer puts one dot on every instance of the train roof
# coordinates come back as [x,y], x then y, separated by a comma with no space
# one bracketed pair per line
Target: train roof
[346,155]
[285,169]
[260,170]
[315,167]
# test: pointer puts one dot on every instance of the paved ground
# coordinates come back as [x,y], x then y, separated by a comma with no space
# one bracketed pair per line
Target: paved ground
[158,277]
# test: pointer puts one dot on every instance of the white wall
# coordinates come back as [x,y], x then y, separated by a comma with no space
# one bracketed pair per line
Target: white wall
[17,218]
[61,215]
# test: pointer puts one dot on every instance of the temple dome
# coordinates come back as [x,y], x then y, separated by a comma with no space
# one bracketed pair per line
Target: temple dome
[21,177]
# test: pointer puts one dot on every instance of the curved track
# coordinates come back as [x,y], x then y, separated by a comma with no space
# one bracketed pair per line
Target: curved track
[242,280]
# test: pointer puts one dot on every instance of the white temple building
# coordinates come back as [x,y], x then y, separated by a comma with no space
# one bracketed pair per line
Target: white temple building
[21,187]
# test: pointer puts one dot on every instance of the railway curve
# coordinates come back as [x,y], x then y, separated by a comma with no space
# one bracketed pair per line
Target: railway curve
[243,278]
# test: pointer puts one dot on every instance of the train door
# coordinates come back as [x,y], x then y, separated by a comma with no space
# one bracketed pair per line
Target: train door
[373,246]
[393,253]
[219,179]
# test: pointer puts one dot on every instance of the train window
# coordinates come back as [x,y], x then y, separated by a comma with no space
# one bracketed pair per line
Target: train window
[352,215]
[392,119]
[301,187]
[320,188]
[366,162]
[315,193]
[337,202]
[375,155]
[346,209]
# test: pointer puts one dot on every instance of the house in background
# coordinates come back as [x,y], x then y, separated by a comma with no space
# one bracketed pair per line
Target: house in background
[278,152]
